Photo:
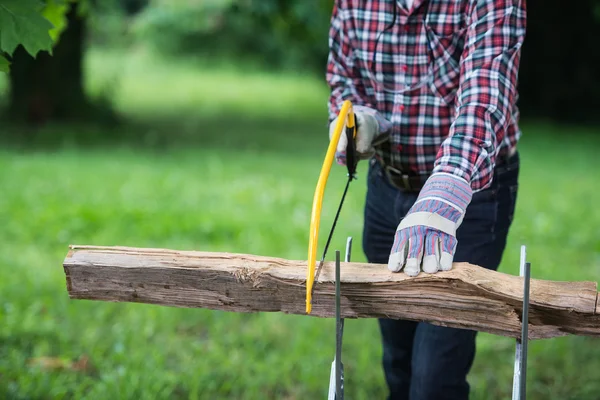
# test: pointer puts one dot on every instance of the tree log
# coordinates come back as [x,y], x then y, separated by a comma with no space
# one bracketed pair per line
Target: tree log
[468,296]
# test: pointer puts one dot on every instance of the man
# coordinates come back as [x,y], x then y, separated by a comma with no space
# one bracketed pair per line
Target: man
[434,89]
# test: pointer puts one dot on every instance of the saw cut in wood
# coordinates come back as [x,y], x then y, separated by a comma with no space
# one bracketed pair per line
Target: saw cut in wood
[468,296]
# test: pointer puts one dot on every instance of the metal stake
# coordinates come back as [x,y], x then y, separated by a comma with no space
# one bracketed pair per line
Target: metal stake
[336,378]
[520,371]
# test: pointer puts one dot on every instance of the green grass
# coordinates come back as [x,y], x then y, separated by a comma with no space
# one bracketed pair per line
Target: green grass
[245,185]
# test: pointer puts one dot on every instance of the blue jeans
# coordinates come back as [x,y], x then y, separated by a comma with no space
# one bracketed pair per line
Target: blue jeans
[422,361]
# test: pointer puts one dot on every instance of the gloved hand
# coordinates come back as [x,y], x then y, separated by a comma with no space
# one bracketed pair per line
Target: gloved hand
[372,129]
[427,233]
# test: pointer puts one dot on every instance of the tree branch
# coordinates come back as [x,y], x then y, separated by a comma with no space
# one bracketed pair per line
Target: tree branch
[468,296]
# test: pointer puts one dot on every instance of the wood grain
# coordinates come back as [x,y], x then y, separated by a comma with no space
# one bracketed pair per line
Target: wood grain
[468,296]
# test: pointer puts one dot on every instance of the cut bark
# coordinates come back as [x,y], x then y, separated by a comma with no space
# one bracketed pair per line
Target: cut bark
[468,296]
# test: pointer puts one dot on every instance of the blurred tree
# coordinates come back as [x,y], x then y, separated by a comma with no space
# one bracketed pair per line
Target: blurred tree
[558,77]
[276,33]
[50,86]
[133,7]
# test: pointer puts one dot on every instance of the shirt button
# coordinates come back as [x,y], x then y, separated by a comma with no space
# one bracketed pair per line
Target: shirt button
[405,68]
[401,107]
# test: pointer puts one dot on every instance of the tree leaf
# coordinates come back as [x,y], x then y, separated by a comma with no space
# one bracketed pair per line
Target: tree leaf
[21,22]
[4,64]
[55,12]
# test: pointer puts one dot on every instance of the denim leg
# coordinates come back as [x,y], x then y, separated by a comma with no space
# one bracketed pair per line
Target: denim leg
[442,357]
[428,361]
[383,210]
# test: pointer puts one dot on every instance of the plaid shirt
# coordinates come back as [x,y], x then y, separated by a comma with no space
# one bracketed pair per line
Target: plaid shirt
[444,74]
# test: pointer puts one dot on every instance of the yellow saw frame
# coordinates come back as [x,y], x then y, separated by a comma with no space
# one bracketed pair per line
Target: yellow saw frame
[345,118]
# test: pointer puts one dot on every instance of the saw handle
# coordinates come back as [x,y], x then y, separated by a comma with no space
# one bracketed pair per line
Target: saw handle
[351,156]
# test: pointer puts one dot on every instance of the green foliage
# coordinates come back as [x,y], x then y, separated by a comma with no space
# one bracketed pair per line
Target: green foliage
[55,12]
[4,64]
[34,24]
[247,187]
[109,23]
[278,33]
[23,23]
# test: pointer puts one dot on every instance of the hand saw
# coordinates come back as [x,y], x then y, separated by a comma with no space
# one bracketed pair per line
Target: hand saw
[346,118]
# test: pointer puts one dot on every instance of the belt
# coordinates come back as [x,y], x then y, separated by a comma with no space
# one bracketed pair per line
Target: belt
[414,182]
[401,180]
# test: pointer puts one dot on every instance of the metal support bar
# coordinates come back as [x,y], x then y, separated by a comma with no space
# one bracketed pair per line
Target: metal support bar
[336,378]
[520,370]
[339,386]
[525,331]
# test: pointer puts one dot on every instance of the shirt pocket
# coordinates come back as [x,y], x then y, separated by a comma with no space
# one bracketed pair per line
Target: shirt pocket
[445,51]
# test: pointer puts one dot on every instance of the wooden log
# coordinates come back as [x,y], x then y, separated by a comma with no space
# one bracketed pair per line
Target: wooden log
[468,296]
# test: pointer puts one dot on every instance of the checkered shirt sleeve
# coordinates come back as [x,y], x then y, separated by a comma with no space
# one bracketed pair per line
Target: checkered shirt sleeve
[487,91]
[343,75]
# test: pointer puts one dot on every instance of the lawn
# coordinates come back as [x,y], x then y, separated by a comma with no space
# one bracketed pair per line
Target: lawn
[224,161]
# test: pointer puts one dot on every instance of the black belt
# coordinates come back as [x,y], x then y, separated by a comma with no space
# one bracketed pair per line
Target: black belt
[406,182]
[414,182]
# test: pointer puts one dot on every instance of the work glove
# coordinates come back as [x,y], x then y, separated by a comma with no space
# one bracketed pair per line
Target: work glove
[372,129]
[427,234]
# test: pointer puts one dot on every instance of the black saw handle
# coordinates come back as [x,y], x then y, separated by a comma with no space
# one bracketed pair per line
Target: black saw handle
[351,155]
